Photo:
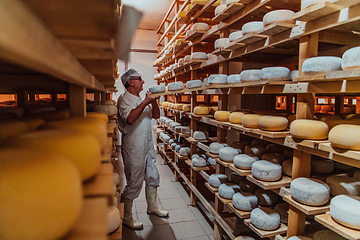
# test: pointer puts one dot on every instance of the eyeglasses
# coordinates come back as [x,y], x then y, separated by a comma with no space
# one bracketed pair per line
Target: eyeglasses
[138,78]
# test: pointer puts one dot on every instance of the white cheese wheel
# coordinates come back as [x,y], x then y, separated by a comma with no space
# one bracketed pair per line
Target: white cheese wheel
[247,186]
[184,151]
[294,74]
[267,198]
[172,125]
[201,110]
[236,178]
[346,211]
[244,238]
[200,27]
[108,109]
[212,161]
[222,116]
[308,191]
[215,147]
[345,136]
[322,165]
[215,180]
[252,27]
[157,89]
[244,161]
[266,171]
[174,86]
[283,210]
[250,75]
[194,84]
[265,218]
[351,59]
[235,117]
[199,56]
[187,58]
[227,190]
[245,201]
[198,162]
[177,148]
[218,79]
[199,135]
[273,157]
[273,123]
[327,235]
[227,154]
[173,145]
[233,78]
[221,43]
[219,9]
[235,36]
[186,130]
[206,81]
[287,167]
[113,219]
[228,2]
[309,3]
[278,73]
[278,16]
[186,107]
[116,178]
[250,120]
[309,129]
[256,150]
[321,64]
[342,184]
[181,61]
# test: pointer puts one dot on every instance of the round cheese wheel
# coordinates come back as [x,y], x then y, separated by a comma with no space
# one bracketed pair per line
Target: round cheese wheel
[174,86]
[244,201]
[173,145]
[113,219]
[186,131]
[287,167]
[219,9]
[309,129]
[215,180]
[273,123]
[10,129]
[278,16]
[256,150]
[215,147]
[234,78]
[198,162]
[308,191]
[250,75]
[265,218]
[250,120]
[244,161]
[236,178]
[222,116]
[267,198]
[247,186]
[299,238]
[164,104]
[235,117]
[109,110]
[327,235]
[218,79]
[346,210]
[309,3]
[278,73]
[198,135]
[200,27]
[351,59]
[177,148]
[38,191]
[99,115]
[116,178]
[184,151]
[193,84]
[342,184]
[294,74]
[274,148]
[186,107]
[322,165]
[266,171]
[283,210]
[227,154]
[221,43]
[321,64]
[227,190]
[199,56]
[252,27]
[181,61]
[240,146]
[273,157]
[201,110]
[213,109]
[212,161]
[235,36]
[50,115]
[187,58]
[345,136]
[157,89]
[342,166]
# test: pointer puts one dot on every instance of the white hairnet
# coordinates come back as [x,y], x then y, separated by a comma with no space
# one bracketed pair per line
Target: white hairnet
[129,73]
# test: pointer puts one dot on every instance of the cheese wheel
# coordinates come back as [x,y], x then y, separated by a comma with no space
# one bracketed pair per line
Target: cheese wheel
[250,120]
[181,61]
[240,146]
[235,117]
[278,73]
[222,116]
[33,123]
[244,161]
[201,110]
[259,142]
[235,36]
[299,238]
[10,129]
[174,86]
[215,147]
[233,78]
[327,235]
[247,186]
[321,165]
[309,129]
[50,115]
[345,136]
[198,135]
[278,16]
[252,27]
[294,74]
[227,190]
[215,180]
[228,2]
[274,148]
[221,43]
[250,75]
[177,148]
[113,219]
[227,154]
[273,157]
[287,167]
[309,3]
[184,151]
[308,191]
[342,184]
[198,162]
[186,131]
[283,210]
[346,210]
[178,106]
[321,64]
[265,218]
[256,150]
[187,58]
[342,166]
[244,201]
[199,56]
[38,190]
[200,27]
[236,178]
[351,59]
[157,89]
[206,81]
[99,115]
[186,107]
[219,9]
[108,109]
[116,178]
[267,198]
[164,104]
[266,171]
[211,161]
[173,145]
[213,109]
[273,123]
[218,79]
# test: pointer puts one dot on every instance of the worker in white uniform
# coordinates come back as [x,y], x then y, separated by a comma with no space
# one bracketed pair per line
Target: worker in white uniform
[134,122]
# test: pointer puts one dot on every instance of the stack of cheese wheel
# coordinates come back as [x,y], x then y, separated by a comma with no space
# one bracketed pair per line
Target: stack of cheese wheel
[275,73]
[227,190]
[346,210]
[266,171]
[157,88]
[252,27]
[308,191]
[244,201]
[278,16]
[309,129]
[244,161]
[343,184]
[250,75]
[201,110]
[194,84]
[351,59]
[265,218]
[222,116]
[227,154]
[267,198]
[321,65]
[250,120]
[345,136]
[273,123]
[215,180]
[235,117]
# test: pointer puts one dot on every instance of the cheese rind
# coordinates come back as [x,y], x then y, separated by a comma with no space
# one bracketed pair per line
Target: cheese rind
[194,83]
[198,162]
[244,201]
[227,154]
[273,123]
[256,150]
[199,56]
[342,184]
[234,78]
[250,75]
[200,27]
[351,59]
[218,79]
[308,191]
[278,16]
[235,35]
[265,218]
[235,117]
[199,135]
[346,210]
[184,151]
[252,27]
[201,110]
[345,136]
[174,86]
[186,107]
[222,116]
[244,161]
[215,147]
[227,190]
[266,171]
[278,73]
[267,198]
[221,42]
[309,129]
[215,180]
[321,64]
[219,9]
[250,120]
[157,89]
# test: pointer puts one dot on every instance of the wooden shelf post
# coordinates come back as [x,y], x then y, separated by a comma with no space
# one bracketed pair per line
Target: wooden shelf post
[77,100]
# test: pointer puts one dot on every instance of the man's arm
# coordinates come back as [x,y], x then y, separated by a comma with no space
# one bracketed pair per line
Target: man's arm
[136,112]
[155,109]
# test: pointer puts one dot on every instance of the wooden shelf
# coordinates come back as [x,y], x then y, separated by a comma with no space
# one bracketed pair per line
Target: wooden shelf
[276,28]
[180,157]
[193,35]
[223,163]
[251,38]
[330,76]
[327,221]
[198,169]
[262,233]
[318,10]
[194,141]
[241,172]
[220,17]
[221,51]
[223,200]
[232,46]
[284,182]
[212,155]
[212,189]
[234,7]
[308,210]
[239,213]
[100,185]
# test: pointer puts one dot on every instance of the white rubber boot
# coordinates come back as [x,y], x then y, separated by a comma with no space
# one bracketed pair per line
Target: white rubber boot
[128,219]
[152,208]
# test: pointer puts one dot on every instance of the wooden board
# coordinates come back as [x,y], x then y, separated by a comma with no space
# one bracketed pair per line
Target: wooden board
[239,213]
[180,157]
[223,163]
[251,38]
[283,182]
[201,116]
[212,155]
[328,221]
[276,28]
[234,46]
[220,17]
[194,34]
[223,200]
[233,8]
[99,186]
[308,210]
[211,188]
[318,10]
[221,51]
[241,172]
[262,233]
[203,147]
[270,134]
[197,169]
[330,76]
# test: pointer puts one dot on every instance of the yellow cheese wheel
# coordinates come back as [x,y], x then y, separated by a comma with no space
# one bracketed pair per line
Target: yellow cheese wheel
[213,109]
[178,106]
[33,123]
[40,195]
[81,148]
[99,115]
[251,120]
[10,129]
[309,129]
[50,115]
[186,107]
[273,123]
[201,110]
[164,104]
[345,136]
[222,116]
[235,117]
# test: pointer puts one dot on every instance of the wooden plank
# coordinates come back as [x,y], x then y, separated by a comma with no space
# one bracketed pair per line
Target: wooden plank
[223,200]
[239,213]
[327,221]
[220,17]
[241,172]
[330,76]
[326,146]
[234,46]
[283,182]
[211,188]
[223,163]
[197,169]
[263,233]
[193,35]
[316,11]
[346,3]
[221,51]
[251,38]
[233,8]
[308,210]
[270,134]
[276,28]
[212,155]
[99,186]
[202,146]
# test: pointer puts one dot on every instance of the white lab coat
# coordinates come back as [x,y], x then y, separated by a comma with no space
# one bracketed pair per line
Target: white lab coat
[137,147]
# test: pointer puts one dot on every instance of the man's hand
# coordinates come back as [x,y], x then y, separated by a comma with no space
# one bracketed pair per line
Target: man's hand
[149,98]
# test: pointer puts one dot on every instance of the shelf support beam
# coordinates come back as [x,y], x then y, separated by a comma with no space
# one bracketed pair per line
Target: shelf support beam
[77,100]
